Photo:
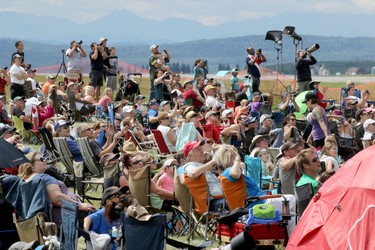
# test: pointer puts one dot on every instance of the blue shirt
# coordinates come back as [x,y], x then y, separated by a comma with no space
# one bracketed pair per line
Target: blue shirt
[73,147]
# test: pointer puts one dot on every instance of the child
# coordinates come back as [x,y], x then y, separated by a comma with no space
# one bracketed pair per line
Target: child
[165,181]
[112,70]
[234,81]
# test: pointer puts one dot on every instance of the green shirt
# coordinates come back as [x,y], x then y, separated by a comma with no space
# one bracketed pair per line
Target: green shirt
[308,179]
[151,63]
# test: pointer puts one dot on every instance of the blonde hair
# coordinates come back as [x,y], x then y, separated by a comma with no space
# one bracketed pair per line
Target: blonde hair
[223,154]
[88,89]
[106,91]
[328,146]
[26,169]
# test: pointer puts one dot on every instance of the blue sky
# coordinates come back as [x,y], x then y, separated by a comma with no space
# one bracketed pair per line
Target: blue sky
[205,11]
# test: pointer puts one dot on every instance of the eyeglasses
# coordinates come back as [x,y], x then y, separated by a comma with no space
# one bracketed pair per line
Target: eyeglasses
[136,162]
[173,165]
[316,159]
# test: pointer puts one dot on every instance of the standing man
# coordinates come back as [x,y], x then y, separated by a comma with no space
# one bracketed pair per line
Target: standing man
[111,81]
[305,59]
[318,119]
[75,54]
[19,46]
[97,56]
[253,61]
[103,43]
[154,62]
[18,76]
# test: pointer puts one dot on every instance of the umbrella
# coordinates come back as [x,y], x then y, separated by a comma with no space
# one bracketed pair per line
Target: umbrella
[302,106]
[342,213]
[10,156]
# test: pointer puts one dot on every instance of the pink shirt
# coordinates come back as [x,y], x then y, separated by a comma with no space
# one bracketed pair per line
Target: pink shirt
[166,182]
[104,102]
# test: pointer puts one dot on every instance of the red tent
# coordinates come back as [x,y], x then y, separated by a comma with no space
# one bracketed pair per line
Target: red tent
[341,215]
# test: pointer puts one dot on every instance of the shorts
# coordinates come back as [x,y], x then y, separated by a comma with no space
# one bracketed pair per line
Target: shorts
[96,78]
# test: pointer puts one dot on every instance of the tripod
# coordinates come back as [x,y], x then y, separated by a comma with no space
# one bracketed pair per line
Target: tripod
[62,66]
[277,81]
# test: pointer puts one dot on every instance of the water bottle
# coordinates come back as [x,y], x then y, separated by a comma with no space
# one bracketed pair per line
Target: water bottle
[114,232]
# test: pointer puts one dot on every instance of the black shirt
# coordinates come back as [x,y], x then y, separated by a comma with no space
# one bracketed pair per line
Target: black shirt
[98,63]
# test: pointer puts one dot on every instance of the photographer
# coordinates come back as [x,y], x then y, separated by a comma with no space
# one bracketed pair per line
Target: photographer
[288,104]
[97,56]
[75,54]
[253,61]
[161,81]
[305,59]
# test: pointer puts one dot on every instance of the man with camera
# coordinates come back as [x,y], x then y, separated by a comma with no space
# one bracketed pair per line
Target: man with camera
[75,54]
[288,104]
[304,60]
[97,57]
[253,61]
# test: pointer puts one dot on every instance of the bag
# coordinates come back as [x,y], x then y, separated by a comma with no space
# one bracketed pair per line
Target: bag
[35,228]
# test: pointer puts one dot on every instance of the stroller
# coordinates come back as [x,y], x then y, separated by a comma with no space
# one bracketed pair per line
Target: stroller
[129,88]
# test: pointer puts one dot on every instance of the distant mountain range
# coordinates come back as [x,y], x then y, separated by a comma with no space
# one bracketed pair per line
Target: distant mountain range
[124,27]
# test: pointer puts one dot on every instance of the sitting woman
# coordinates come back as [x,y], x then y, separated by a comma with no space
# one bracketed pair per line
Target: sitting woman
[133,125]
[345,129]
[290,129]
[89,92]
[167,132]
[56,190]
[329,156]
[160,198]
[106,99]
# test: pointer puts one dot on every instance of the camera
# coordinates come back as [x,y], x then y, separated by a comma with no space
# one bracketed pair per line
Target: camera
[259,51]
[63,51]
[80,42]
[366,91]
[313,48]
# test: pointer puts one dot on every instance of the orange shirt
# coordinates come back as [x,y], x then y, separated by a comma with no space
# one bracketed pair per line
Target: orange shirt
[45,88]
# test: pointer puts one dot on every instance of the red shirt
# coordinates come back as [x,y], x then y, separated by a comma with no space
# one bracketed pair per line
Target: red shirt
[191,94]
[3,82]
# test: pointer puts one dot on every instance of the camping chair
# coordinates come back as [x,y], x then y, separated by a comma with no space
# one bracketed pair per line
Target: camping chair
[151,234]
[92,165]
[69,225]
[160,142]
[303,195]
[25,134]
[65,156]
[201,200]
[234,192]
[51,150]
[253,168]
[184,198]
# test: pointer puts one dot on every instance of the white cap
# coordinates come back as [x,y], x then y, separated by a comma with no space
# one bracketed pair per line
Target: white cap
[127,109]
[153,47]
[367,123]
[102,39]
[263,117]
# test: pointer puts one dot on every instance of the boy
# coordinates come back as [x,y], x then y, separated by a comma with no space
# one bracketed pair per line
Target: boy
[112,70]
[234,81]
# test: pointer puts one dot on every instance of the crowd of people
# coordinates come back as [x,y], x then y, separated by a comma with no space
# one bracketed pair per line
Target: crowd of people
[205,130]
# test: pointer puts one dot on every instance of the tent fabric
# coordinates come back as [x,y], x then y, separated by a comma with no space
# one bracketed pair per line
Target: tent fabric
[340,216]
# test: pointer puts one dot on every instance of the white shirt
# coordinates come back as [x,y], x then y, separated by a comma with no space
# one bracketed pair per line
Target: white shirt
[212,102]
[16,70]
[164,131]
[33,82]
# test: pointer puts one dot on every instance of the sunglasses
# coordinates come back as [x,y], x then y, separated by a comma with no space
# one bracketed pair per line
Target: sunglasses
[41,159]
[136,162]
[316,159]
[173,165]
[88,129]
[292,119]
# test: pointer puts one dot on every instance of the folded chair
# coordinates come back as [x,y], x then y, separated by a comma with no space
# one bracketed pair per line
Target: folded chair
[151,234]
[201,201]
[69,225]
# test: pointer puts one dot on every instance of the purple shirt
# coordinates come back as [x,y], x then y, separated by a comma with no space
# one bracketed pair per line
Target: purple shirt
[317,132]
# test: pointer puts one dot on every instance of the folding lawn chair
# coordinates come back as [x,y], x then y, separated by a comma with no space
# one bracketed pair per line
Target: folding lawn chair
[27,135]
[91,163]
[304,194]
[51,150]
[151,234]
[253,168]
[234,192]
[162,145]
[69,225]
[65,156]
[199,191]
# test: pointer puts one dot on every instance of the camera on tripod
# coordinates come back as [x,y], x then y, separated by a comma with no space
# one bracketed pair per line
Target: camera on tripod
[63,51]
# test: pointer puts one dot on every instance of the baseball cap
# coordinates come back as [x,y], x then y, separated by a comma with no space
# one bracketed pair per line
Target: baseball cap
[367,123]
[190,146]
[235,70]
[31,71]
[309,96]
[250,120]
[226,112]
[60,123]
[263,117]
[127,109]
[153,102]
[109,192]
[17,56]
[139,97]
[102,39]
[5,129]
[311,84]
[19,98]
[163,103]
[139,212]
[50,77]
[209,113]
[288,145]
[154,46]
